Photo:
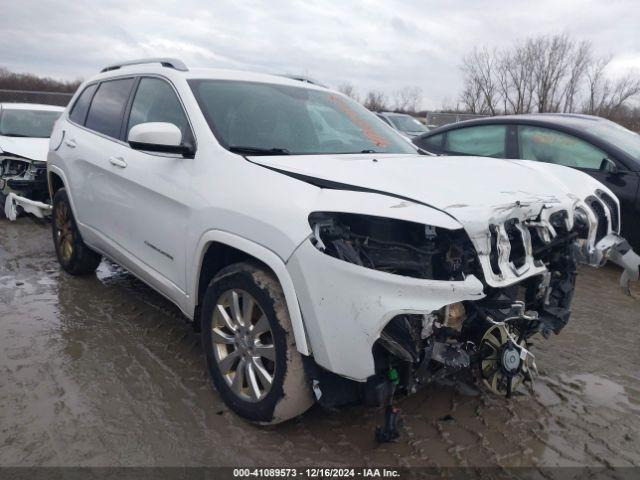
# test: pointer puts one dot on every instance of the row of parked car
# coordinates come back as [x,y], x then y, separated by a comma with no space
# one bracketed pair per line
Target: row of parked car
[596,146]
[599,147]
[324,257]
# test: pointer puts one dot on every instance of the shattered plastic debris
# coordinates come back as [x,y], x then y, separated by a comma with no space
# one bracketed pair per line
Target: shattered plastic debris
[14,204]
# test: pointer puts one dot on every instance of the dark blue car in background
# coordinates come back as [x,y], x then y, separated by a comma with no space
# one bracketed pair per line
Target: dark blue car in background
[599,147]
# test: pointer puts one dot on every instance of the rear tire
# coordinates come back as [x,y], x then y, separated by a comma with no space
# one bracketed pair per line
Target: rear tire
[73,255]
[3,199]
[250,348]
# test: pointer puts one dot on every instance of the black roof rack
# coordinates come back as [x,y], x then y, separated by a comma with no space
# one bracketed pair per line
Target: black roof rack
[165,62]
[304,79]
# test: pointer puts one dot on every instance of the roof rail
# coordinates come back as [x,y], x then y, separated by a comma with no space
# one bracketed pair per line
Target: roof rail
[304,79]
[165,62]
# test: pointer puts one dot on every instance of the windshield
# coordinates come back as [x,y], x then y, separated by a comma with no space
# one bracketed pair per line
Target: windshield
[625,140]
[267,119]
[27,123]
[406,123]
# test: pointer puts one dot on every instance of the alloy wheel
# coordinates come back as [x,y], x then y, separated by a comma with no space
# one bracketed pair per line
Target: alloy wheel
[243,345]
[64,231]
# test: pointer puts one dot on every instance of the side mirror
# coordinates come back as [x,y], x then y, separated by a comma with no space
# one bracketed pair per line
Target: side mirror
[159,137]
[609,166]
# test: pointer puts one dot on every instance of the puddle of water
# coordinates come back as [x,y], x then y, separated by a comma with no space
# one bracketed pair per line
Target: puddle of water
[603,392]
[101,370]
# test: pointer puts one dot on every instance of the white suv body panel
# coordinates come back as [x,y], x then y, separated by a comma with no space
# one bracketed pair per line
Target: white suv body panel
[345,306]
[158,216]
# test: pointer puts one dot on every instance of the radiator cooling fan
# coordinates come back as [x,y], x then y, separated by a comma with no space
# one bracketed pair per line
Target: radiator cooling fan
[505,364]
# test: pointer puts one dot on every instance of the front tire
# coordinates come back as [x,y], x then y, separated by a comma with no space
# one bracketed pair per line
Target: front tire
[249,346]
[73,255]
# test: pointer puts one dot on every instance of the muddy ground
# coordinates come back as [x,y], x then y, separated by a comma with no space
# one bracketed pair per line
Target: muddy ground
[102,371]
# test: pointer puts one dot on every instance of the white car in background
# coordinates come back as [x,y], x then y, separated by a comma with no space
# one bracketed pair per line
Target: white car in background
[406,124]
[322,256]
[25,129]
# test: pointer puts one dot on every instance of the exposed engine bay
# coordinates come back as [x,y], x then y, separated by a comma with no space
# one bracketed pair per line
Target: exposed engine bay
[492,336]
[23,176]
[394,246]
[23,186]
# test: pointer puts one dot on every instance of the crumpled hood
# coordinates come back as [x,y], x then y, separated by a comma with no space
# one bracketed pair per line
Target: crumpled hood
[32,148]
[470,189]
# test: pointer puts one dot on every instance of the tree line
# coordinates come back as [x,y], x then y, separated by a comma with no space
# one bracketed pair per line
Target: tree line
[405,100]
[553,73]
[27,82]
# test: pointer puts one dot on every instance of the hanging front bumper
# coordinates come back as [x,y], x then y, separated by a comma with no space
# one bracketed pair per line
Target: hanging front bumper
[617,250]
[15,205]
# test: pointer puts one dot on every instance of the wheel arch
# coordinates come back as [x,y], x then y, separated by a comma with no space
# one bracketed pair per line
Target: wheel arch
[218,249]
[56,181]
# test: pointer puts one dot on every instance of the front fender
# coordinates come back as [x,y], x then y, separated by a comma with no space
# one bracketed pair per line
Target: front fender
[266,256]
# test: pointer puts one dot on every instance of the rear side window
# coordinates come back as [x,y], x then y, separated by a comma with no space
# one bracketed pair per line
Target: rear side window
[551,146]
[483,140]
[107,107]
[80,108]
[156,101]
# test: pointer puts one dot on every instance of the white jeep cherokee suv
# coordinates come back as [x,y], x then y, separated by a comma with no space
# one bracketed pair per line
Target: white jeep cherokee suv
[322,256]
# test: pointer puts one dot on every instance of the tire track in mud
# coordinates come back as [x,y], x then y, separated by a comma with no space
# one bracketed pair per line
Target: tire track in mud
[102,371]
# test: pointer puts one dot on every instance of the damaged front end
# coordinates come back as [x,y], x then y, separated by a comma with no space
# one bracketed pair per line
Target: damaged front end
[23,186]
[527,261]
[492,333]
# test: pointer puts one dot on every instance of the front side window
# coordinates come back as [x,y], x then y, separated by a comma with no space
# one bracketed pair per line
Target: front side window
[107,107]
[551,146]
[407,123]
[155,101]
[27,123]
[617,135]
[384,119]
[483,140]
[81,107]
[265,118]
[434,141]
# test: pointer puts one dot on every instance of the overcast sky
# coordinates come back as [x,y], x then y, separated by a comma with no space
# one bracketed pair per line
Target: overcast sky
[372,44]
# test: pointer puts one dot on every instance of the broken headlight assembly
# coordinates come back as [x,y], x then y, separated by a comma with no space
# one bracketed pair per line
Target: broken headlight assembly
[394,246]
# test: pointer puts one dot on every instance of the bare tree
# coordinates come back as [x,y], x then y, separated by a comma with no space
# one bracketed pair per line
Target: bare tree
[623,89]
[408,99]
[544,74]
[597,85]
[481,87]
[349,90]
[376,101]
[516,79]
[471,97]
[607,97]
[579,63]
[550,66]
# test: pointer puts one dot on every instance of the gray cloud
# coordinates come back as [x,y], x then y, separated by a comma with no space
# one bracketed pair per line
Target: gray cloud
[372,44]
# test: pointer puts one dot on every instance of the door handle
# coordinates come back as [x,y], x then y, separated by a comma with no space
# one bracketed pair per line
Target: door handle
[71,143]
[118,162]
